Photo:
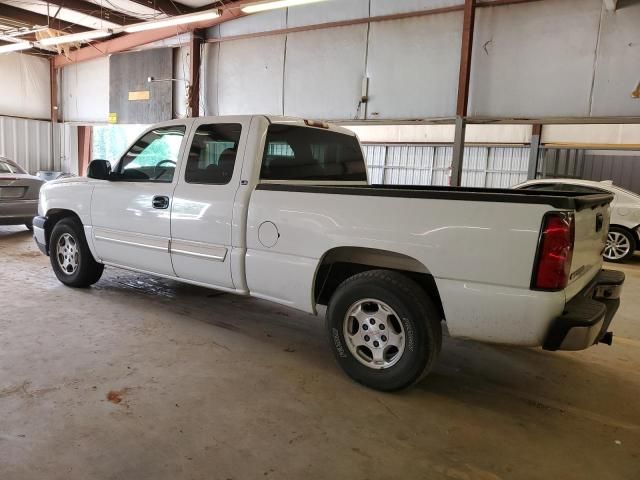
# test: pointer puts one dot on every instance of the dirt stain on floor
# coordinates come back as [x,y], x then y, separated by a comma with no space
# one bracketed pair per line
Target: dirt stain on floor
[116,396]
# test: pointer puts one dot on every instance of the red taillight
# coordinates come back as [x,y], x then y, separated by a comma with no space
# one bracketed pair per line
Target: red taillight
[555,252]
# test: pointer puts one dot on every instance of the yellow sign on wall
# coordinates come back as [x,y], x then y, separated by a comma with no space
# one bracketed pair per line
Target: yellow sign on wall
[113,117]
[139,95]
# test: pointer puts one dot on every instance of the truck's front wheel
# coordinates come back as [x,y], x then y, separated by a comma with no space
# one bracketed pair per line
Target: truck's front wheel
[384,330]
[70,256]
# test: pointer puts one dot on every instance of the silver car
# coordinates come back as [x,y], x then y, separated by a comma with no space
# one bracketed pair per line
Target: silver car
[18,194]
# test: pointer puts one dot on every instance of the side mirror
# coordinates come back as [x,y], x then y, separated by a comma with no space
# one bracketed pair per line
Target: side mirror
[99,170]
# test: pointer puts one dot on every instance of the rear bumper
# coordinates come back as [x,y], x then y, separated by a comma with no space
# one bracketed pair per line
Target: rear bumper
[39,234]
[586,318]
[13,212]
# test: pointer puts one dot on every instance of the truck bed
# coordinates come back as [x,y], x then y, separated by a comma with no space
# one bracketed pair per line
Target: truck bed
[561,200]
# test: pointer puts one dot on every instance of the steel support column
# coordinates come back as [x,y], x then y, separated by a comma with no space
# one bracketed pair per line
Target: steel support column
[534,151]
[195,43]
[458,152]
[463,91]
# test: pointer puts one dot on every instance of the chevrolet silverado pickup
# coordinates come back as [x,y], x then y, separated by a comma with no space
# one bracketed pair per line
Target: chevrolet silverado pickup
[281,209]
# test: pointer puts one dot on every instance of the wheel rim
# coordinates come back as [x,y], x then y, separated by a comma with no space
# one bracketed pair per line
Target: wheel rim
[374,334]
[68,254]
[617,246]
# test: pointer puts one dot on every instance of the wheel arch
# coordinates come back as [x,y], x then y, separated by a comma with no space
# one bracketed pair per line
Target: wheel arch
[55,215]
[340,263]
[631,231]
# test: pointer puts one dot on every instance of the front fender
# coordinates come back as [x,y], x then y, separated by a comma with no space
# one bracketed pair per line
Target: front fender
[70,194]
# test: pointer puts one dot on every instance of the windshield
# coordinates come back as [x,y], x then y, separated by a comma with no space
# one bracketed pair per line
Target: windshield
[7,166]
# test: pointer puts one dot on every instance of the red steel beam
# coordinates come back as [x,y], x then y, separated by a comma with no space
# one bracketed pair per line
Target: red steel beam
[132,40]
[465,57]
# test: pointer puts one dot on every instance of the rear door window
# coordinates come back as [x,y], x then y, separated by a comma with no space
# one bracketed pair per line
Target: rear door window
[305,153]
[213,152]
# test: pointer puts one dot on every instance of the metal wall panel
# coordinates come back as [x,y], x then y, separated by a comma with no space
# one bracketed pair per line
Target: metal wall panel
[259,22]
[535,59]
[442,165]
[249,76]
[491,167]
[324,72]
[409,165]
[375,156]
[29,143]
[325,12]
[209,79]
[85,91]
[129,72]
[618,65]
[181,63]
[24,83]
[413,67]
[387,7]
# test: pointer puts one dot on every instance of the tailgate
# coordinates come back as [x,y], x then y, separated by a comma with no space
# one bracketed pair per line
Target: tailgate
[591,226]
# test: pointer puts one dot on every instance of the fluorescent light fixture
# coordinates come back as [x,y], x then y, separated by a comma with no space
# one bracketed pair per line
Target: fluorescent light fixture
[273,4]
[15,47]
[171,21]
[75,37]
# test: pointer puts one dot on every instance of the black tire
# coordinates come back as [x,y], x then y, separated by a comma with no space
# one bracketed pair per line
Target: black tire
[87,271]
[614,255]
[29,226]
[416,313]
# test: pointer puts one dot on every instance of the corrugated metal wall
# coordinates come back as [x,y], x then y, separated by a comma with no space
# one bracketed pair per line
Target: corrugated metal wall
[490,166]
[29,143]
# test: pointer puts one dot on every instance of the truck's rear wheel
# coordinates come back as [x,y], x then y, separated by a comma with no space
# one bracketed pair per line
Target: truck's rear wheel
[70,256]
[384,330]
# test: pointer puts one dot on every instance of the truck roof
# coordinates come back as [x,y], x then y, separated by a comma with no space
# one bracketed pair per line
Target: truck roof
[279,119]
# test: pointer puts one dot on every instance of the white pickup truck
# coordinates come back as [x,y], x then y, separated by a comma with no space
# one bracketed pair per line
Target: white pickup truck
[280,209]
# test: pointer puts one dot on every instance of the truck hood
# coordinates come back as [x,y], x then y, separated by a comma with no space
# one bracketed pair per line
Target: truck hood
[68,180]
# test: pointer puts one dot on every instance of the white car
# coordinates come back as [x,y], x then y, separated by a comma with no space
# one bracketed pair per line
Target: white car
[624,228]
[280,209]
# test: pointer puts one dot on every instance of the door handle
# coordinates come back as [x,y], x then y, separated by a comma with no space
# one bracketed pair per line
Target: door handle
[160,201]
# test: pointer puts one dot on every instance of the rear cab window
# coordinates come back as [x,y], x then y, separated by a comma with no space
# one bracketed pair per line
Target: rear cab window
[306,153]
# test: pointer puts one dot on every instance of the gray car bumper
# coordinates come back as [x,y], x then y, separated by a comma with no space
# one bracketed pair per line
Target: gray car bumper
[17,211]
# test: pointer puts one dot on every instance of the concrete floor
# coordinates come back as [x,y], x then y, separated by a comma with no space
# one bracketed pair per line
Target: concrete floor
[140,378]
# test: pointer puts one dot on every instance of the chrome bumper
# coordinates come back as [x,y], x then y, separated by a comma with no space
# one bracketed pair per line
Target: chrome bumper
[587,316]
